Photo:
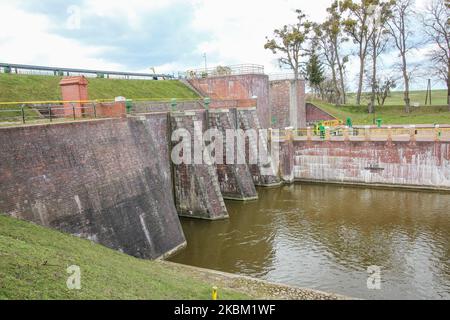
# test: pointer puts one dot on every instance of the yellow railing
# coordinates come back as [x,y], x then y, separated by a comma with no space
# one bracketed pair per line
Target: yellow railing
[53,102]
[358,133]
[333,123]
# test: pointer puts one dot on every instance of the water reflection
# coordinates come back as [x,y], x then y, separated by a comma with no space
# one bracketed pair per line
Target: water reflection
[325,237]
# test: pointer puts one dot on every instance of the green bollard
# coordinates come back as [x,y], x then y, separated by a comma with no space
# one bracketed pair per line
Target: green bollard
[129,105]
[379,122]
[207,103]
[173,105]
[349,122]
[322,131]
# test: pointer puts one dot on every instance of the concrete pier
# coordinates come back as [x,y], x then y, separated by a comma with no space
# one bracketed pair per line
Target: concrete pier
[264,172]
[196,186]
[101,180]
[236,182]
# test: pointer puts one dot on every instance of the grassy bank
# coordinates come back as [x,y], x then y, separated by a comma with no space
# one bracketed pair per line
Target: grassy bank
[390,114]
[34,260]
[43,88]
[438,97]
[23,88]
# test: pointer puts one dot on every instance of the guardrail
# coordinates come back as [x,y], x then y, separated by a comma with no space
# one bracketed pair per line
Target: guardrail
[343,133]
[282,76]
[13,113]
[148,106]
[16,113]
[58,71]
[221,71]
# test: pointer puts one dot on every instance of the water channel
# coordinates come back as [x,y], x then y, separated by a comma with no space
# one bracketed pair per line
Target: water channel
[326,237]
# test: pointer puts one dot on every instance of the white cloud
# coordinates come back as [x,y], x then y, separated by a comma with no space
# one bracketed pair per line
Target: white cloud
[238,28]
[235,33]
[26,39]
[131,11]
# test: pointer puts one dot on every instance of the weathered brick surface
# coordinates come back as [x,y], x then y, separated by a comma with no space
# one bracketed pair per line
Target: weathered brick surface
[111,110]
[154,106]
[264,173]
[100,180]
[157,125]
[73,89]
[280,93]
[279,104]
[235,180]
[238,87]
[286,160]
[315,114]
[197,190]
[424,164]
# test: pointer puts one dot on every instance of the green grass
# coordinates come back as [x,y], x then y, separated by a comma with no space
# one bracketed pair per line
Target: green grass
[34,260]
[439,98]
[390,114]
[46,88]
[23,88]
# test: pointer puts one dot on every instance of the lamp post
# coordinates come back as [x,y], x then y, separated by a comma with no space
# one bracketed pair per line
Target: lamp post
[206,62]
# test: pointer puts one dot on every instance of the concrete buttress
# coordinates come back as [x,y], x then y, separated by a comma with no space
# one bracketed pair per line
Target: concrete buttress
[196,185]
[235,179]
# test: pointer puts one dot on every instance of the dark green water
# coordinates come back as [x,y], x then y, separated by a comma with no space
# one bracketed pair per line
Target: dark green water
[325,237]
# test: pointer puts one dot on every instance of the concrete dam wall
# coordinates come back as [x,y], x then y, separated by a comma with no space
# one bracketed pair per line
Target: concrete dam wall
[197,189]
[423,164]
[101,180]
[238,87]
[112,181]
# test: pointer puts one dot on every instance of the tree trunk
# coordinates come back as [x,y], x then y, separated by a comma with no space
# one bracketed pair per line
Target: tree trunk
[406,80]
[448,94]
[374,77]
[335,85]
[360,82]
[341,75]
[448,85]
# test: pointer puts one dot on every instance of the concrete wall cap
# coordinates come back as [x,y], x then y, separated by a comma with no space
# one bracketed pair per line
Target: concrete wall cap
[79,80]
[183,113]
[219,110]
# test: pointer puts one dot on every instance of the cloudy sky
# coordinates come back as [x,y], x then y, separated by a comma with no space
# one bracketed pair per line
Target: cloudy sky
[135,35]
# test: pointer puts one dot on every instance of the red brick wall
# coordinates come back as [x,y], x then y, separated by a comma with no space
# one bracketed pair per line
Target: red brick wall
[239,87]
[315,114]
[280,101]
[111,110]
[424,164]
[102,180]
[73,89]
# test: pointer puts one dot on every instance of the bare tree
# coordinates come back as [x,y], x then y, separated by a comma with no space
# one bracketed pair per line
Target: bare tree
[357,27]
[383,88]
[329,38]
[378,42]
[436,21]
[290,42]
[400,29]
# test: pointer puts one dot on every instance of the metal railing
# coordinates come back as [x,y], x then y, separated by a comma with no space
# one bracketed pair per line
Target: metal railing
[50,111]
[343,133]
[58,71]
[149,106]
[17,113]
[282,76]
[221,71]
